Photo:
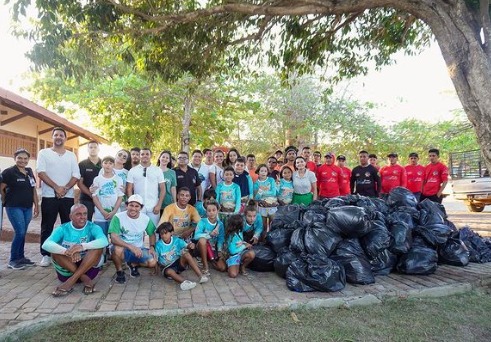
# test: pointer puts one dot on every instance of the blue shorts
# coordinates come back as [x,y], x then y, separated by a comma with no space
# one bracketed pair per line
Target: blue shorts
[131,258]
[236,259]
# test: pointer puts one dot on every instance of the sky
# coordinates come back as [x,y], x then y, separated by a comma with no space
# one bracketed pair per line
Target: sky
[415,87]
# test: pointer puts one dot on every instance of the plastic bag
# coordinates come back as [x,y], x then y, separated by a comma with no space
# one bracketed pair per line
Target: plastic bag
[376,240]
[348,221]
[420,260]
[454,252]
[384,263]
[335,202]
[433,208]
[407,215]
[380,205]
[279,238]
[435,234]
[264,260]
[401,197]
[479,251]
[296,241]
[320,240]
[311,216]
[401,238]
[283,261]
[296,277]
[289,213]
[350,255]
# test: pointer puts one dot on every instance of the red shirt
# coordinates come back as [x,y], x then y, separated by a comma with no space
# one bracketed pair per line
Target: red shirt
[415,175]
[435,175]
[329,180]
[392,176]
[344,189]
[311,166]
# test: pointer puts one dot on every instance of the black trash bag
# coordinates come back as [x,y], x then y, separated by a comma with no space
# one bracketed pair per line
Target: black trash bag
[348,221]
[420,260]
[320,240]
[311,216]
[451,225]
[350,255]
[434,234]
[283,261]
[290,213]
[316,203]
[401,238]
[453,252]
[279,238]
[366,203]
[407,215]
[264,259]
[335,202]
[297,241]
[433,208]
[401,197]
[478,249]
[376,240]
[277,223]
[315,272]
[383,263]
[380,205]
[352,199]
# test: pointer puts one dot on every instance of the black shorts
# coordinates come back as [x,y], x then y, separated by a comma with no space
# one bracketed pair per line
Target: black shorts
[176,266]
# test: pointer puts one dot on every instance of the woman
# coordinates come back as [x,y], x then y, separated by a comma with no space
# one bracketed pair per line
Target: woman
[165,164]
[216,170]
[232,156]
[304,183]
[19,194]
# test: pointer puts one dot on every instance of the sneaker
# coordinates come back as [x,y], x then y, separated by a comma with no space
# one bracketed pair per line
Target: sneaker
[16,265]
[134,271]
[203,279]
[27,262]
[187,285]
[45,261]
[206,273]
[120,277]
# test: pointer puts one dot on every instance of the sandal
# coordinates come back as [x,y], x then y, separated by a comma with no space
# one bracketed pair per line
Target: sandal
[244,272]
[88,289]
[205,272]
[59,292]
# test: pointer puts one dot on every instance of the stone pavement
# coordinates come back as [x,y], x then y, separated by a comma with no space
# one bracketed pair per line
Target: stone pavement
[25,295]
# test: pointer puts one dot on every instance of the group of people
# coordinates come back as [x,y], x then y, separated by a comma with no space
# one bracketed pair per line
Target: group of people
[202,210]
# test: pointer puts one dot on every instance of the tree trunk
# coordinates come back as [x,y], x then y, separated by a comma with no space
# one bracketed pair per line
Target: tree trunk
[186,122]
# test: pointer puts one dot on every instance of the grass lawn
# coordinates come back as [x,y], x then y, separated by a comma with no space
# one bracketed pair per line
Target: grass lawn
[465,317]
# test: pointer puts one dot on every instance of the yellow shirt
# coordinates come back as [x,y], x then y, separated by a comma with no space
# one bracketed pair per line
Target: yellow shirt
[183,220]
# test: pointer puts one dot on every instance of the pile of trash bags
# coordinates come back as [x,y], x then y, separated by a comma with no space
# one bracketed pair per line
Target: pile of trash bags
[354,238]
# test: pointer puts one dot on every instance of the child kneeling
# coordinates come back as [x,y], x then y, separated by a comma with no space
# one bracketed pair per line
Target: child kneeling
[173,257]
[239,250]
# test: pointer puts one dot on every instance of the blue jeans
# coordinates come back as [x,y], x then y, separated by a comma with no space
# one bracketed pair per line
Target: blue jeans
[19,218]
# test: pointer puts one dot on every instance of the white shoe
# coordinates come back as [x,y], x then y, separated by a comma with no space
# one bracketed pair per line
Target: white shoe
[203,279]
[45,261]
[187,285]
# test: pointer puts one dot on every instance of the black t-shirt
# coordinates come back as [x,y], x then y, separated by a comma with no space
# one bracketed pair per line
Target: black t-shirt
[88,171]
[189,179]
[19,190]
[365,181]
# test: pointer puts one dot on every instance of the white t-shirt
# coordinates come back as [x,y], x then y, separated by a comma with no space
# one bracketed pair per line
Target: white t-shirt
[131,230]
[108,191]
[60,168]
[204,175]
[147,187]
[218,171]
[303,185]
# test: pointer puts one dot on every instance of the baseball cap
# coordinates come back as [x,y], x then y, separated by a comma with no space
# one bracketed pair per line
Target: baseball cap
[329,154]
[413,154]
[21,150]
[135,198]
[341,157]
[392,154]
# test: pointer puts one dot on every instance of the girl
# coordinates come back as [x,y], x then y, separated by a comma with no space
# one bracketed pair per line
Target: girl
[165,164]
[238,249]
[228,195]
[200,206]
[232,156]
[253,223]
[285,187]
[216,170]
[265,192]
[210,236]
[304,183]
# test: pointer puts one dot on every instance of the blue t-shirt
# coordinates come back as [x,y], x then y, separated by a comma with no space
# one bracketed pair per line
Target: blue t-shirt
[228,196]
[265,189]
[168,253]
[285,191]
[256,226]
[205,227]
[235,243]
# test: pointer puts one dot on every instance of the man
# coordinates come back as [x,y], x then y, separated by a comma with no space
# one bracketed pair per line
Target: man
[436,177]
[415,175]
[272,170]
[329,178]
[59,172]
[135,156]
[317,158]
[251,167]
[345,176]
[89,169]
[76,248]
[147,181]
[392,175]
[127,230]
[278,154]
[365,179]
[187,177]
[372,157]
[290,155]
[181,215]
[202,169]
[306,153]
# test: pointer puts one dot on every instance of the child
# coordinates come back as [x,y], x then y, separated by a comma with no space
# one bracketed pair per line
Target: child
[173,257]
[285,187]
[238,249]
[200,206]
[253,223]
[210,236]
[243,180]
[228,195]
[108,196]
[265,192]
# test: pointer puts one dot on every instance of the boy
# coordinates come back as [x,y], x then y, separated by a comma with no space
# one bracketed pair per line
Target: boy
[243,180]
[200,206]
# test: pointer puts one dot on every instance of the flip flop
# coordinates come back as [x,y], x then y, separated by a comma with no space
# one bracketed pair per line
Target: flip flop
[244,272]
[58,292]
[88,289]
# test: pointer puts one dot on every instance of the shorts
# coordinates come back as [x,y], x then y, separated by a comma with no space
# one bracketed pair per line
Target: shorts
[131,258]
[236,259]
[267,211]
[63,274]
[176,266]
[304,199]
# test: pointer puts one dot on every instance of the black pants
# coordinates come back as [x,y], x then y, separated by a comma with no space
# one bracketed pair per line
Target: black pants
[90,208]
[50,208]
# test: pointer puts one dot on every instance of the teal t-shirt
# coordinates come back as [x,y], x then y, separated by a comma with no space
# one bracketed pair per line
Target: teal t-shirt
[170,181]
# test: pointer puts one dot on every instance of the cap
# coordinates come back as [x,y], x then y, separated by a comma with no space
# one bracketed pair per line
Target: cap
[413,154]
[135,198]
[341,157]
[22,150]
[392,154]
[329,154]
